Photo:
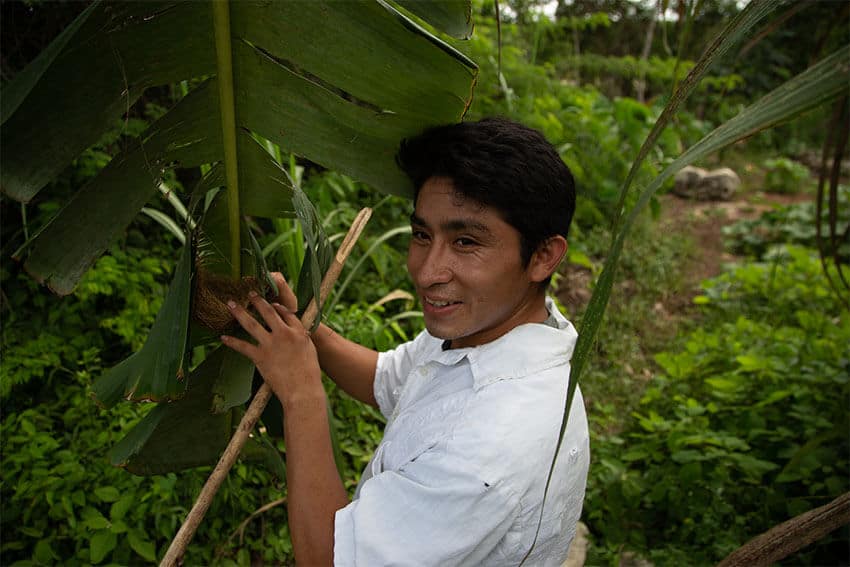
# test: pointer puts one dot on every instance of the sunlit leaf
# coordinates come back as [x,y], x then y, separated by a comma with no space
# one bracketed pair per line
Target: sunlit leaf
[452,16]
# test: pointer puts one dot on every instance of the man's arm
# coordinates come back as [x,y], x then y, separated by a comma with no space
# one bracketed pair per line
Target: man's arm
[287,360]
[314,489]
[349,364]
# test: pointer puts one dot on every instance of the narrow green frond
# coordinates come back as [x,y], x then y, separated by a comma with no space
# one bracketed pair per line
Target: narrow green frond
[156,371]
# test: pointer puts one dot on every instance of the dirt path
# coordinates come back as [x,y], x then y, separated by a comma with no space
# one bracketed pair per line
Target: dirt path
[703,221]
[700,221]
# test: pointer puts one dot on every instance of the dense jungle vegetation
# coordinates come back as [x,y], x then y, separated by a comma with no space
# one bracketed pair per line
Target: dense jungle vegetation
[718,398]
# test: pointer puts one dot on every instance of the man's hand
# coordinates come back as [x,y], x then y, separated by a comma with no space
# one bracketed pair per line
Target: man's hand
[284,353]
[286,357]
[285,296]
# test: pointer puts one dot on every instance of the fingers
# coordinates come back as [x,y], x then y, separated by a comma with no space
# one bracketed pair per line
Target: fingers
[242,347]
[289,317]
[251,325]
[266,311]
[285,295]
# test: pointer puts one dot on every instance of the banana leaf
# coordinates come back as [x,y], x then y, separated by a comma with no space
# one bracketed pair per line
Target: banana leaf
[338,83]
[188,433]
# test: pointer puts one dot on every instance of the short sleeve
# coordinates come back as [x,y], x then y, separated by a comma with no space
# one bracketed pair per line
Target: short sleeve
[432,511]
[392,370]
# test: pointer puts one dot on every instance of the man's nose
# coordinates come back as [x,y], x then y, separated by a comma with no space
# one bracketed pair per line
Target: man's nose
[435,267]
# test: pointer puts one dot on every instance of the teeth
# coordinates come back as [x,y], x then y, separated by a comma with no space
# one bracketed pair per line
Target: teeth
[440,303]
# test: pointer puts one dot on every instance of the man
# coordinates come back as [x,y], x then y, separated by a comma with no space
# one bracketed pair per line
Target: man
[474,403]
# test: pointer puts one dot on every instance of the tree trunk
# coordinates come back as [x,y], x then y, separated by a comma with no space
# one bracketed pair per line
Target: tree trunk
[640,84]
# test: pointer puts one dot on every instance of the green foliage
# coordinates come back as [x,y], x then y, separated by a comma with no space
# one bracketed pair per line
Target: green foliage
[745,428]
[63,503]
[658,72]
[43,335]
[785,176]
[792,224]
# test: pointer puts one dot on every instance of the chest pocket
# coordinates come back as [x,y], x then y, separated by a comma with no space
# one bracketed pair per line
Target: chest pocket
[415,430]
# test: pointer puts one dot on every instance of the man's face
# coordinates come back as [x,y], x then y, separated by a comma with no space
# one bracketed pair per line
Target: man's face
[465,263]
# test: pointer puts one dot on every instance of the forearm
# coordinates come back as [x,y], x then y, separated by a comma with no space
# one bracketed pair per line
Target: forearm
[314,489]
[287,359]
[349,364]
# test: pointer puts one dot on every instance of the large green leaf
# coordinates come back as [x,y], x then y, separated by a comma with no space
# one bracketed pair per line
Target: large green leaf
[452,16]
[340,83]
[188,432]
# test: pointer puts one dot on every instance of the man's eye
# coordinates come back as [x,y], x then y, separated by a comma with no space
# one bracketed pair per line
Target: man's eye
[465,242]
[420,235]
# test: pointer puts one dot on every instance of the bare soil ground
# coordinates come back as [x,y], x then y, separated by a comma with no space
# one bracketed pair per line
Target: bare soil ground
[702,222]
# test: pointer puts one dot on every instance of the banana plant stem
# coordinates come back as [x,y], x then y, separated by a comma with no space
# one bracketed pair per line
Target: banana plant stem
[224,67]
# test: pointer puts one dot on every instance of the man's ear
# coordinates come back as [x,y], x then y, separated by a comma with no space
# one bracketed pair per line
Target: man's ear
[546,258]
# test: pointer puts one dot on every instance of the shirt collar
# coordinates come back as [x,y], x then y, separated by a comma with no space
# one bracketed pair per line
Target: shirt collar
[522,351]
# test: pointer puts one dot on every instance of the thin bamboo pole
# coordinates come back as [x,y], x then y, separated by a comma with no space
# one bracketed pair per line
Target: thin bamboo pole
[255,410]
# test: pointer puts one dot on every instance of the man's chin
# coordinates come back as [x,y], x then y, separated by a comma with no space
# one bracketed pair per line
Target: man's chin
[441,332]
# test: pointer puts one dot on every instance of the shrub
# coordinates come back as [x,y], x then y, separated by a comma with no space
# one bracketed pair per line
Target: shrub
[745,428]
[792,224]
[785,176]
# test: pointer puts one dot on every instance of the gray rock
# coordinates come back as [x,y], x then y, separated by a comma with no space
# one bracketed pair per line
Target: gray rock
[701,185]
[578,548]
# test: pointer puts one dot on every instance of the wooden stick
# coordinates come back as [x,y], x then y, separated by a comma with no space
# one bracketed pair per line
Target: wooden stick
[249,420]
[789,537]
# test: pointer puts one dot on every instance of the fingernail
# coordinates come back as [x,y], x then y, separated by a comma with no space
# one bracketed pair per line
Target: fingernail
[252,293]
[224,338]
[231,304]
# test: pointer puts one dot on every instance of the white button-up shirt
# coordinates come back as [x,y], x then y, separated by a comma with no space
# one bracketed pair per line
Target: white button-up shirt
[459,476]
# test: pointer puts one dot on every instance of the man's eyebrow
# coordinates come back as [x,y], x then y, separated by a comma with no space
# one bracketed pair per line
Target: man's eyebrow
[454,224]
[417,220]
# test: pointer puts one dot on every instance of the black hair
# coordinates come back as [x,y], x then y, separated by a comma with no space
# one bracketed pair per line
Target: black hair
[499,163]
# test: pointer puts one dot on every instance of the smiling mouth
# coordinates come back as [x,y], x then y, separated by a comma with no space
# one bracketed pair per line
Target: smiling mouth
[436,303]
